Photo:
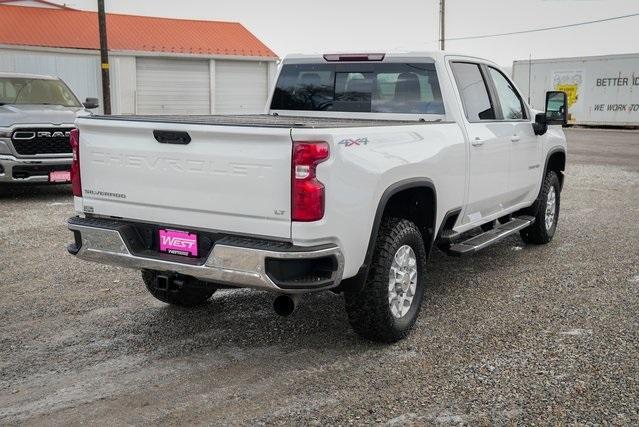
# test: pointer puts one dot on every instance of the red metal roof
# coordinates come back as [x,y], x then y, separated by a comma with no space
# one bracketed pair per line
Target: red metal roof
[67,28]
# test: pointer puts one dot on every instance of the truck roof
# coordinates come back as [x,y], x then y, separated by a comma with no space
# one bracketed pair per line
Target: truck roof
[27,76]
[434,54]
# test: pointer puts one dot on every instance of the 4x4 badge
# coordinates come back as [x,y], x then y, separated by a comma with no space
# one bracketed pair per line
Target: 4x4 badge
[349,142]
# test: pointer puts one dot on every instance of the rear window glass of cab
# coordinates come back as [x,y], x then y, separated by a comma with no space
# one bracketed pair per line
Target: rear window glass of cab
[359,87]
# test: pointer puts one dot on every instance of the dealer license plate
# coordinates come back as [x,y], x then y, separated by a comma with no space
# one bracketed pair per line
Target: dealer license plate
[60,176]
[178,242]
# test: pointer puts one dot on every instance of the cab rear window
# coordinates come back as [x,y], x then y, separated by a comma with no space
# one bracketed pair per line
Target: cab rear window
[359,87]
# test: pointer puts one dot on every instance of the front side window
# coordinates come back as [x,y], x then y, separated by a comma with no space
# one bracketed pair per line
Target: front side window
[473,91]
[36,91]
[369,88]
[512,107]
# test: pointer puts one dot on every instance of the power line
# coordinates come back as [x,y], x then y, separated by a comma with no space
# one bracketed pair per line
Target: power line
[544,29]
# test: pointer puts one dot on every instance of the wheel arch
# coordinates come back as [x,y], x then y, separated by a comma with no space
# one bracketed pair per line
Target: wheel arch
[556,161]
[407,199]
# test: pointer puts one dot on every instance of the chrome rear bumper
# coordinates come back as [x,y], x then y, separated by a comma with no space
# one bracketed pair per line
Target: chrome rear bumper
[228,263]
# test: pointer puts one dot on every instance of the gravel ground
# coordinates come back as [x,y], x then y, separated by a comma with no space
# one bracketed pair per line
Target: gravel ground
[516,334]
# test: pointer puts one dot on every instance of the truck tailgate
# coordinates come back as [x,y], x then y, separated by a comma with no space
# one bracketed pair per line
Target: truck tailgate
[233,179]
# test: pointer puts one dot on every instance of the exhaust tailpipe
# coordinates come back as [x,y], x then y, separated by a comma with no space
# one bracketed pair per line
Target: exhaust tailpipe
[285,305]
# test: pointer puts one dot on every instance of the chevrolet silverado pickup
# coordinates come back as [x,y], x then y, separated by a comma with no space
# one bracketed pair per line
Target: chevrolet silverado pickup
[37,114]
[361,166]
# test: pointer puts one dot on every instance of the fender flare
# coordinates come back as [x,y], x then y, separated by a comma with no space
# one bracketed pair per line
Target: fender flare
[532,209]
[556,149]
[357,282]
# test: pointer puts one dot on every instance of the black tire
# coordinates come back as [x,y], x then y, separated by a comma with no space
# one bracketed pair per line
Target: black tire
[538,233]
[369,312]
[184,291]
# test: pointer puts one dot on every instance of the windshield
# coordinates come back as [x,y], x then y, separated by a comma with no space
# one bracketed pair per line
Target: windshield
[15,90]
[359,87]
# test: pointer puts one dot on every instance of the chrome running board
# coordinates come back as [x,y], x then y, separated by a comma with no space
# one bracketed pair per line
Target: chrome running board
[490,237]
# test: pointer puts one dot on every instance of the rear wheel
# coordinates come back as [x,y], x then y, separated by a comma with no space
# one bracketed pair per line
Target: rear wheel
[387,307]
[546,212]
[180,290]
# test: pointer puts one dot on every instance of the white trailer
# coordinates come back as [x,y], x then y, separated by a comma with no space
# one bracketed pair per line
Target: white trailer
[602,90]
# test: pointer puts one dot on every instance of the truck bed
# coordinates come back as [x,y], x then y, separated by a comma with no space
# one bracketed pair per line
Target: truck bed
[261,120]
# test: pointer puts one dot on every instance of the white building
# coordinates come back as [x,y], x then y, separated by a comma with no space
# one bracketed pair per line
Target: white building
[157,65]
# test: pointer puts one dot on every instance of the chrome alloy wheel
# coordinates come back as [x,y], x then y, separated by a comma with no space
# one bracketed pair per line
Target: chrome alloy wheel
[402,281]
[551,201]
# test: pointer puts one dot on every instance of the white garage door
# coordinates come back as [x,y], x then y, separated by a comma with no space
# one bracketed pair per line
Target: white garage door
[240,87]
[173,86]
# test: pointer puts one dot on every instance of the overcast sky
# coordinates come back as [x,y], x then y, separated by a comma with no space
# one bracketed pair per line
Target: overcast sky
[306,26]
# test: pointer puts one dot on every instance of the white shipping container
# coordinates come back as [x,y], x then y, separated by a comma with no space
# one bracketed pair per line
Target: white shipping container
[602,90]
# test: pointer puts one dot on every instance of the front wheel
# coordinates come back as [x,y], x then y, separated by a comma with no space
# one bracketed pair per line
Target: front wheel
[546,212]
[387,307]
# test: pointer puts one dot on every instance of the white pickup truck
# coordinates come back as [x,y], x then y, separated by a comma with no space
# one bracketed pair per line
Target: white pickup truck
[360,167]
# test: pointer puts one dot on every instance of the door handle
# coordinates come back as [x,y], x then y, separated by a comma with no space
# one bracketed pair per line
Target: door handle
[171,137]
[477,142]
[515,138]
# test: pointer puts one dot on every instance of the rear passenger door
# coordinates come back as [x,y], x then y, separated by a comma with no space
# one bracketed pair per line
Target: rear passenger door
[489,144]
[525,149]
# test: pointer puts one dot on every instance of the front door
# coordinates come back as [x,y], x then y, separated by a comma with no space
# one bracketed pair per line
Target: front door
[489,145]
[525,167]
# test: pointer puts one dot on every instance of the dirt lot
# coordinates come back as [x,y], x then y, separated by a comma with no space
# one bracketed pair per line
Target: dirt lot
[516,334]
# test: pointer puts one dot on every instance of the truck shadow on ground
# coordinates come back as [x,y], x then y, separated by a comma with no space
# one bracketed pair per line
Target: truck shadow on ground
[245,318]
[31,192]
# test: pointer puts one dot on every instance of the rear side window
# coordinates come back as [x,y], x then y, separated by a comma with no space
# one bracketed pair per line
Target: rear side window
[369,88]
[512,107]
[474,92]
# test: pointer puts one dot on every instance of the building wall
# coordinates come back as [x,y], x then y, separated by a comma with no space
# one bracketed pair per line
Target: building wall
[80,72]
[228,90]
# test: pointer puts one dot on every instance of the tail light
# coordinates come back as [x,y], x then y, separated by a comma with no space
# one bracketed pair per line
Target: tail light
[307,193]
[76,183]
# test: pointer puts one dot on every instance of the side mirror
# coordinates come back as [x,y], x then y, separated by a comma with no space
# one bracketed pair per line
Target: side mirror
[556,112]
[91,103]
[556,108]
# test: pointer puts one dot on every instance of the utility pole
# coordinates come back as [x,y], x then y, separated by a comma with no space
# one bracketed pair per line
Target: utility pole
[104,59]
[529,72]
[442,23]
